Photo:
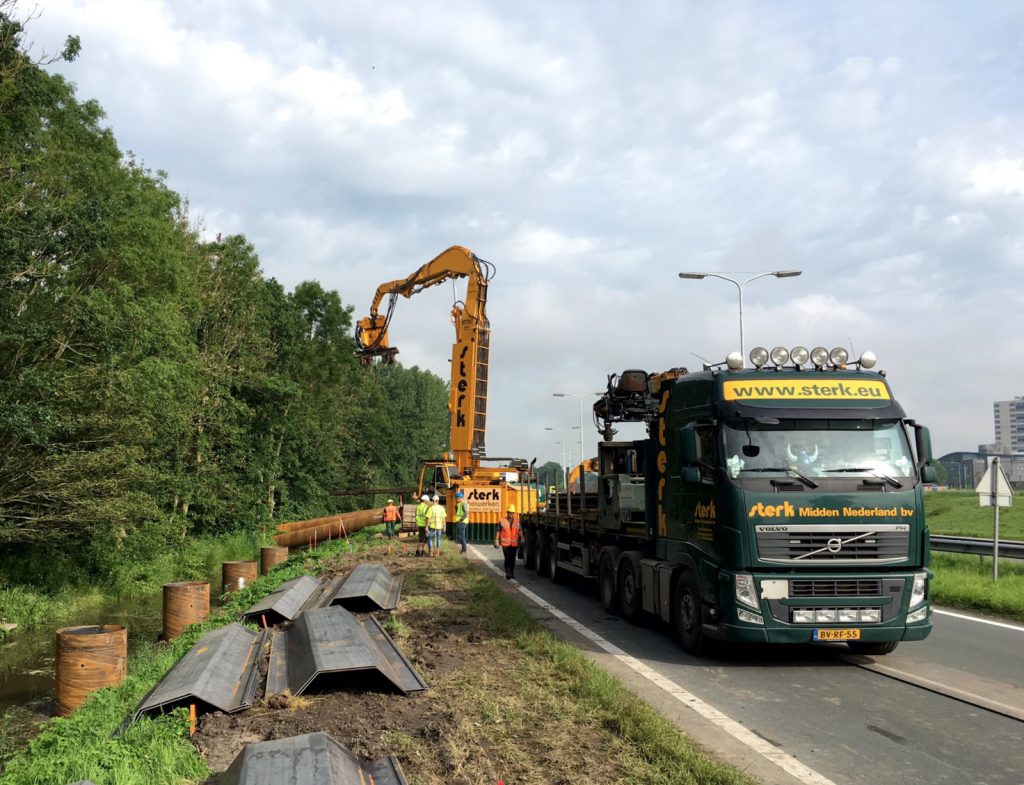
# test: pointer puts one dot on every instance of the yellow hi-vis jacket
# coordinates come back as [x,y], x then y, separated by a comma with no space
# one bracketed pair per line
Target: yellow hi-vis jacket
[436,516]
[462,512]
[421,514]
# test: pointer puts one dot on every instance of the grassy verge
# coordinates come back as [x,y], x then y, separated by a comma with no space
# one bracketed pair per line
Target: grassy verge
[963,581]
[958,514]
[513,700]
[153,751]
[27,600]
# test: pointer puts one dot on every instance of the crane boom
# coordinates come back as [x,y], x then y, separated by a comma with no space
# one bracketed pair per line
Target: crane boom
[467,401]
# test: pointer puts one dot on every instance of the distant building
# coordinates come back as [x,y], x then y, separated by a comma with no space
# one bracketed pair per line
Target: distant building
[965,469]
[1009,422]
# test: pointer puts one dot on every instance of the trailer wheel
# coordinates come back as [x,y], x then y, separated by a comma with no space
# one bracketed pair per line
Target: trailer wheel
[554,573]
[607,586]
[543,557]
[629,591]
[686,616]
[875,648]
[530,546]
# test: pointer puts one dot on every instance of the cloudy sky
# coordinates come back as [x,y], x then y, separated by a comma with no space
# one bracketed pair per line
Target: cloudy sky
[591,151]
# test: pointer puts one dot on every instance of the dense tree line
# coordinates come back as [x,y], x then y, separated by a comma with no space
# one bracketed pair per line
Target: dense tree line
[153,384]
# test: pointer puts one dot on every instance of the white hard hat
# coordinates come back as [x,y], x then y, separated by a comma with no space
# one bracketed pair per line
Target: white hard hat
[437,498]
[424,498]
[391,501]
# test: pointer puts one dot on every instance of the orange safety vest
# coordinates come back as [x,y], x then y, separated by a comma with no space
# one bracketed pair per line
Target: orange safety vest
[508,533]
[390,514]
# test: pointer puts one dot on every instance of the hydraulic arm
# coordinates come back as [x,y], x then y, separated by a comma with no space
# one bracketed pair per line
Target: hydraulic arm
[467,402]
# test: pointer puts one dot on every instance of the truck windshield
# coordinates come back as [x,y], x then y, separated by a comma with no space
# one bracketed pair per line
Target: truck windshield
[818,448]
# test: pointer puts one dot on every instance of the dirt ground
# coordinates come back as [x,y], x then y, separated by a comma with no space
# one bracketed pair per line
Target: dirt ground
[489,712]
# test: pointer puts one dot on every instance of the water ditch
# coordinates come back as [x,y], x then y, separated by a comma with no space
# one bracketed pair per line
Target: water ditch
[27,658]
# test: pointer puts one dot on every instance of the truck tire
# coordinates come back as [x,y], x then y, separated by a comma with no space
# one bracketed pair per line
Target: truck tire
[554,573]
[873,648]
[543,557]
[686,616]
[607,586]
[630,600]
[530,546]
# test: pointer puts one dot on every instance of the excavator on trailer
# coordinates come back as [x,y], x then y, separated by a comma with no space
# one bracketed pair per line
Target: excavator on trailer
[488,489]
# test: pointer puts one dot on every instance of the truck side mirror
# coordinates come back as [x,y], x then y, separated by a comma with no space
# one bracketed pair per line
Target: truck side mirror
[690,474]
[923,445]
[928,474]
[689,445]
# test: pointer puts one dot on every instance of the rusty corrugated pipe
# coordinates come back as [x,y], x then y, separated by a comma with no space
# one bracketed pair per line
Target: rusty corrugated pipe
[88,659]
[237,575]
[271,556]
[331,527]
[185,603]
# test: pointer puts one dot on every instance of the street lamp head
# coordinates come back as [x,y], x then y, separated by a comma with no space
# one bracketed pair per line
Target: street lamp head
[558,395]
[697,276]
[787,273]
[548,429]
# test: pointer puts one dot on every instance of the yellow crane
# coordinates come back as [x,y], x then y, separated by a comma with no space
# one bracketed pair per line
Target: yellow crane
[488,489]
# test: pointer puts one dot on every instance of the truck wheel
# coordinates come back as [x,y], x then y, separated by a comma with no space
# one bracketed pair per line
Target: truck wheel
[606,585]
[629,591]
[554,573]
[543,557]
[686,616]
[530,546]
[875,648]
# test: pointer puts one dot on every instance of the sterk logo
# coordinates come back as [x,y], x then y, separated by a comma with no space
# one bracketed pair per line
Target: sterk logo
[784,510]
[705,511]
[491,495]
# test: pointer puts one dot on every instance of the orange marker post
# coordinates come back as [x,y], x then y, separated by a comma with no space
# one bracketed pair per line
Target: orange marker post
[192,720]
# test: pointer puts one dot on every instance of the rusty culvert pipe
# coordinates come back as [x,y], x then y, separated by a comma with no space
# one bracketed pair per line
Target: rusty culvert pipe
[88,659]
[237,575]
[332,527]
[271,556]
[185,603]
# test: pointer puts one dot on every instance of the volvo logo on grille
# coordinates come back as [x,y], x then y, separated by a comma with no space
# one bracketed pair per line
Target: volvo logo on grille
[834,545]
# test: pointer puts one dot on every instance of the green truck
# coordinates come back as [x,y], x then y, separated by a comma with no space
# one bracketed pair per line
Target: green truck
[776,504]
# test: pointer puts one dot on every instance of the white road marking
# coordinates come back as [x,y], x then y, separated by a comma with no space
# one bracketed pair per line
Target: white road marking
[783,760]
[1003,624]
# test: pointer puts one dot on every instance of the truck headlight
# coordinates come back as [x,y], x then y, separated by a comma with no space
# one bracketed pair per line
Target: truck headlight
[920,589]
[803,617]
[919,615]
[871,614]
[849,615]
[746,591]
[825,615]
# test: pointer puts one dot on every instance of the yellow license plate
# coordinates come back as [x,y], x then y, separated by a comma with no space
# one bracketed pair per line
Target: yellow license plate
[837,635]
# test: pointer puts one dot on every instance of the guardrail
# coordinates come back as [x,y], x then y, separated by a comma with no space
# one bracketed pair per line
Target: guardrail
[1008,549]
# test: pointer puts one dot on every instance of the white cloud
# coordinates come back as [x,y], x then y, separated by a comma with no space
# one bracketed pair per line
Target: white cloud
[591,156]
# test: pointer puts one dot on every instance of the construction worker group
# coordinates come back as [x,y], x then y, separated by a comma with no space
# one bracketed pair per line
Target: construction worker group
[432,519]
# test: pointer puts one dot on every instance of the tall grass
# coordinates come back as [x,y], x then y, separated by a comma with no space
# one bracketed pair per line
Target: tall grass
[964,581]
[37,590]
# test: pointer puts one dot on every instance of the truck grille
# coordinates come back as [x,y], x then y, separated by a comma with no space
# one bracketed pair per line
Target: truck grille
[828,544]
[850,588]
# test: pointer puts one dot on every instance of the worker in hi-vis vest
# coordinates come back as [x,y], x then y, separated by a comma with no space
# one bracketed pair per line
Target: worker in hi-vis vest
[436,520]
[461,519]
[421,524]
[508,537]
[390,518]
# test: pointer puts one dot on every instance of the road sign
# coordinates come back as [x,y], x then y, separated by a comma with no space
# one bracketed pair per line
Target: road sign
[994,488]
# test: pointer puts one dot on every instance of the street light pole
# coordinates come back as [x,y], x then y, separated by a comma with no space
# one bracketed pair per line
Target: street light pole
[583,477]
[739,288]
[565,476]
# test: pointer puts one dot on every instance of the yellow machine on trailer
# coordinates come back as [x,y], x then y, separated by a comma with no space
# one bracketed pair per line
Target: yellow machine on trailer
[488,489]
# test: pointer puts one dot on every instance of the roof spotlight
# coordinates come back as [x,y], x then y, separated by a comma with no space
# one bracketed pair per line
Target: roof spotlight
[734,361]
[799,355]
[819,356]
[868,360]
[839,356]
[758,356]
[779,356]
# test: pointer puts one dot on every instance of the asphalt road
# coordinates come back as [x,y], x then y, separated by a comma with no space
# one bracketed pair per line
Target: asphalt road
[847,724]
